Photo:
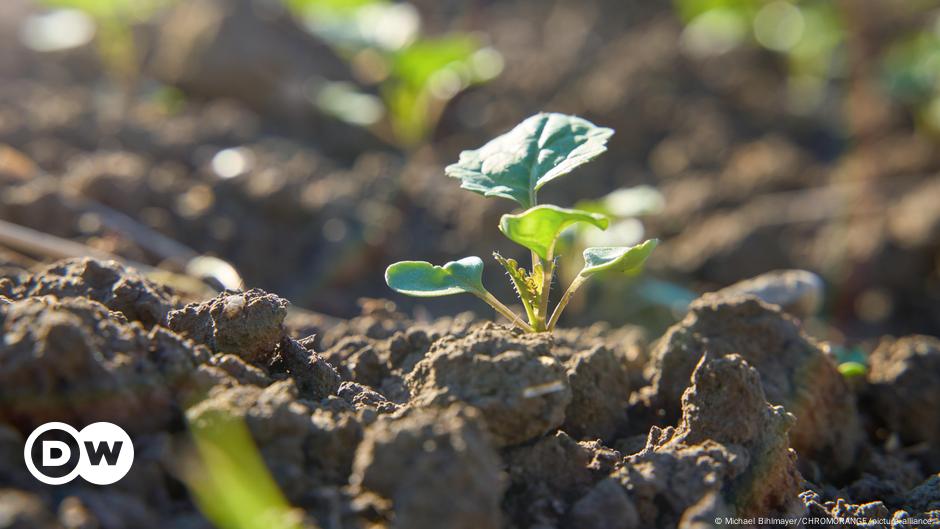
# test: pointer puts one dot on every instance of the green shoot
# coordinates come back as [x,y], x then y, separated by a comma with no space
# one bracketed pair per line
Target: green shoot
[809,35]
[115,20]
[230,482]
[853,369]
[415,75]
[515,166]
[914,79]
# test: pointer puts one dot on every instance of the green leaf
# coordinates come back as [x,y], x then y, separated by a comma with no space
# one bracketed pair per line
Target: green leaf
[422,279]
[331,7]
[624,204]
[417,64]
[111,9]
[537,228]
[616,258]
[539,150]
[410,91]
[852,369]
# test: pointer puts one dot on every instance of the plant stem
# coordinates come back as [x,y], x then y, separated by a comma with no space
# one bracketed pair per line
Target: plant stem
[548,270]
[538,319]
[563,302]
[530,311]
[513,318]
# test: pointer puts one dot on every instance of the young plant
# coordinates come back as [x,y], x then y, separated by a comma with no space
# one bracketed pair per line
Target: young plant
[516,166]
[115,20]
[415,74]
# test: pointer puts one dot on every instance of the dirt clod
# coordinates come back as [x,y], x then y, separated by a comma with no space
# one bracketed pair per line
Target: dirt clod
[753,470]
[248,324]
[547,477]
[435,466]
[600,388]
[794,371]
[110,283]
[315,378]
[606,505]
[921,503]
[904,391]
[513,379]
[360,397]
[73,360]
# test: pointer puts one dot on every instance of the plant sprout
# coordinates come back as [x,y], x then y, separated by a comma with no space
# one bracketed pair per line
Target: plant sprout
[810,35]
[913,77]
[516,166]
[115,20]
[416,74]
[229,480]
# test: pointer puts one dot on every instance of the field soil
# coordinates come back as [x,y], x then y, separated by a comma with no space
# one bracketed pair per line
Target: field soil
[413,414]
[381,421]
[315,210]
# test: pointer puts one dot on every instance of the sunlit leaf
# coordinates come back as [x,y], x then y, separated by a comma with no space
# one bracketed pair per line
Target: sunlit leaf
[538,228]
[852,369]
[634,201]
[422,279]
[351,26]
[106,9]
[229,480]
[419,62]
[689,9]
[346,102]
[616,258]
[333,7]
[537,151]
[625,232]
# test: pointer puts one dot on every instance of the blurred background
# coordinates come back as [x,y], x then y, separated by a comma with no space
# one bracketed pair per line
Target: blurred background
[303,142]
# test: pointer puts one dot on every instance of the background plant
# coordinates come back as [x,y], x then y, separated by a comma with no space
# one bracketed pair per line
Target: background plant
[912,68]
[809,34]
[114,21]
[516,166]
[416,75]
[229,480]
[823,43]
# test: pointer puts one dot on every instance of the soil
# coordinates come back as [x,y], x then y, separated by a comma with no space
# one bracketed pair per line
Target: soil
[381,421]
[319,209]
[415,415]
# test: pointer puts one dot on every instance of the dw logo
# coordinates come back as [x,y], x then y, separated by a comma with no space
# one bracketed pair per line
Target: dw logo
[55,453]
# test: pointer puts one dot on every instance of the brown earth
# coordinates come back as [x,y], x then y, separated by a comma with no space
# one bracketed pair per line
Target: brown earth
[432,418]
[321,209]
[381,421]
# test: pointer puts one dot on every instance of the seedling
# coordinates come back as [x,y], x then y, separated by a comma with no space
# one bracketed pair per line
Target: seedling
[416,74]
[913,78]
[516,166]
[115,20]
